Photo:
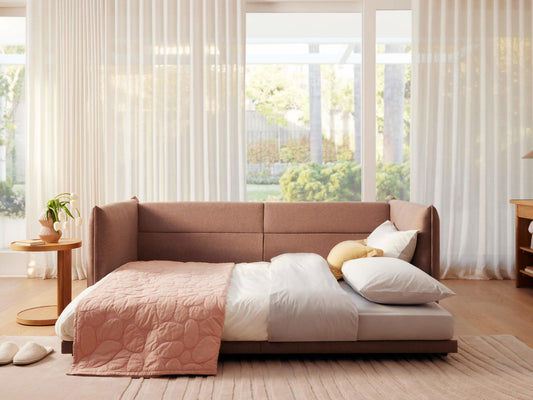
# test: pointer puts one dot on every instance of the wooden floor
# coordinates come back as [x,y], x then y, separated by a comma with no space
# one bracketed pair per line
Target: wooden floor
[491,308]
[480,307]
[17,294]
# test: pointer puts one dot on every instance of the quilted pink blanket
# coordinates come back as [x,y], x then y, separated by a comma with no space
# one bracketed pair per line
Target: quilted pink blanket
[153,318]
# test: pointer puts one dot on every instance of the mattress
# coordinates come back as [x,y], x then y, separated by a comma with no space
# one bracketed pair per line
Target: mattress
[247,311]
[400,322]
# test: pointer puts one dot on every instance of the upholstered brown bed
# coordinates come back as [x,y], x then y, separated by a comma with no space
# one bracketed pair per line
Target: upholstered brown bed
[219,232]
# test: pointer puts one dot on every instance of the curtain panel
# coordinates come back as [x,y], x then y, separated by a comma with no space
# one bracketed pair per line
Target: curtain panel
[471,124]
[135,97]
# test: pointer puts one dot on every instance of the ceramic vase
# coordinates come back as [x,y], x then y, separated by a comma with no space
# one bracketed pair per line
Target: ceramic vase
[47,232]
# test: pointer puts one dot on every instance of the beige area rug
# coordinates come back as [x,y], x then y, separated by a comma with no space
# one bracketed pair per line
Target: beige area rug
[486,367]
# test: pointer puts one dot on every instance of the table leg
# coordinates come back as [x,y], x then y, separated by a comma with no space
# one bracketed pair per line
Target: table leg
[64,279]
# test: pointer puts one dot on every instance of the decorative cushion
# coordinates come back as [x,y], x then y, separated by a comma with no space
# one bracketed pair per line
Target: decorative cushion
[394,243]
[390,280]
[348,250]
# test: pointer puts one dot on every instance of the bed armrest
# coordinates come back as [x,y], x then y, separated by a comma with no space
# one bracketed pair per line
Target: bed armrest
[406,216]
[113,231]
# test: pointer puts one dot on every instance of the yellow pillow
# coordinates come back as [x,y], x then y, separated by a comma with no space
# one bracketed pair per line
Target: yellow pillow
[349,250]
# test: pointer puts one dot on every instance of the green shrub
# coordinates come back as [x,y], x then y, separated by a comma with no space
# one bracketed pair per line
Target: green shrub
[263,153]
[263,177]
[341,152]
[296,151]
[12,201]
[392,180]
[340,181]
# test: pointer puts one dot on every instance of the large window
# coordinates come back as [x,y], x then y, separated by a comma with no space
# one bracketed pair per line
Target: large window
[305,102]
[12,130]
[302,118]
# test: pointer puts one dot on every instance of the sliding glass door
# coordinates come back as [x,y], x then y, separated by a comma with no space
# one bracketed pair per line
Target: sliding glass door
[303,106]
[307,138]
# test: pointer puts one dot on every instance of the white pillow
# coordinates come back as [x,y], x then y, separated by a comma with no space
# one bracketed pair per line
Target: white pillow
[394,243]
[392,281]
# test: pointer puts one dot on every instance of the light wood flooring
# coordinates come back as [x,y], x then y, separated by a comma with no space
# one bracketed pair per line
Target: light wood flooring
[480,307]
[17,294]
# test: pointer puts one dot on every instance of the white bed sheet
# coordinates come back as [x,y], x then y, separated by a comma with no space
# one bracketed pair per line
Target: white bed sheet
[247,305]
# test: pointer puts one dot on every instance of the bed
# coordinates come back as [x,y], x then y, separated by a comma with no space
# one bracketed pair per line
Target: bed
[244,233]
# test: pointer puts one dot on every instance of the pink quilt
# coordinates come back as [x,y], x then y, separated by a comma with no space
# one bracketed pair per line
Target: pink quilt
[153,318]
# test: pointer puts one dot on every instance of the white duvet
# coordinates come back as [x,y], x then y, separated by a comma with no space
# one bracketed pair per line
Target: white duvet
[247,305]
[294,298]
[307,303]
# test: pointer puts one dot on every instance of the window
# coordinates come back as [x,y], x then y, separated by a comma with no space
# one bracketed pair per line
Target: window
[12,130]
[302,119]
[305,103]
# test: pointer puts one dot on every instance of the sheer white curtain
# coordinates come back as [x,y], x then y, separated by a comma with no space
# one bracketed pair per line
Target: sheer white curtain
[173,91]
[137,98]
[472,122]
[62,118]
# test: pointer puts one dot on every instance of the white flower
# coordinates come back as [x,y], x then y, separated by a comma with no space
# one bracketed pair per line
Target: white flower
[74,196]
[62,215]
[74,203]
[79,221]
[57,226]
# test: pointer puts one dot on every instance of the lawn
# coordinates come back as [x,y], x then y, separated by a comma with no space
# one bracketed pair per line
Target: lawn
[263,192]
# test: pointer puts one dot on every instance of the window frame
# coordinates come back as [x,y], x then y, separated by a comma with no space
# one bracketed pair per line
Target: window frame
[13,9]
[368,9]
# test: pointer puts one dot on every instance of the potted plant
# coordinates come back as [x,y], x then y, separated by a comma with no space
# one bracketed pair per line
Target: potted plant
[54,217]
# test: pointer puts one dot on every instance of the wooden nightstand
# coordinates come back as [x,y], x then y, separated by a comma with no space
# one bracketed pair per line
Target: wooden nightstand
[524,253]
[47,315]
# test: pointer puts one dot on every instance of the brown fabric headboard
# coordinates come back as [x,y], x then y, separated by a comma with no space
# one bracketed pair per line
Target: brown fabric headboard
[201,231]
[246,232]
[112,238]
[407,216]
[317,227]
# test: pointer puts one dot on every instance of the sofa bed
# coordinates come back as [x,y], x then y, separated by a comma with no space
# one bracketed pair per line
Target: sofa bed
[251,235]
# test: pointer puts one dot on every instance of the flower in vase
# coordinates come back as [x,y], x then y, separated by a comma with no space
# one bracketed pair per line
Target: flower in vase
[62,216]
[62,207]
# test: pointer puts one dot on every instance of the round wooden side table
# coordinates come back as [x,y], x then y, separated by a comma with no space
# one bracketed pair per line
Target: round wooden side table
[47,315]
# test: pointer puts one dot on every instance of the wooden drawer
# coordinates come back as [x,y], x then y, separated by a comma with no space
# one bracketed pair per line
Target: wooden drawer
[524,211]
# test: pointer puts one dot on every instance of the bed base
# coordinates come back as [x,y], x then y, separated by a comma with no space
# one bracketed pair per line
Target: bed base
[362,347]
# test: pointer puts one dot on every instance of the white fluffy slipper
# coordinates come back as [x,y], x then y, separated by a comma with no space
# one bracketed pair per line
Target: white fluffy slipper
[31,352]
[7,352]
